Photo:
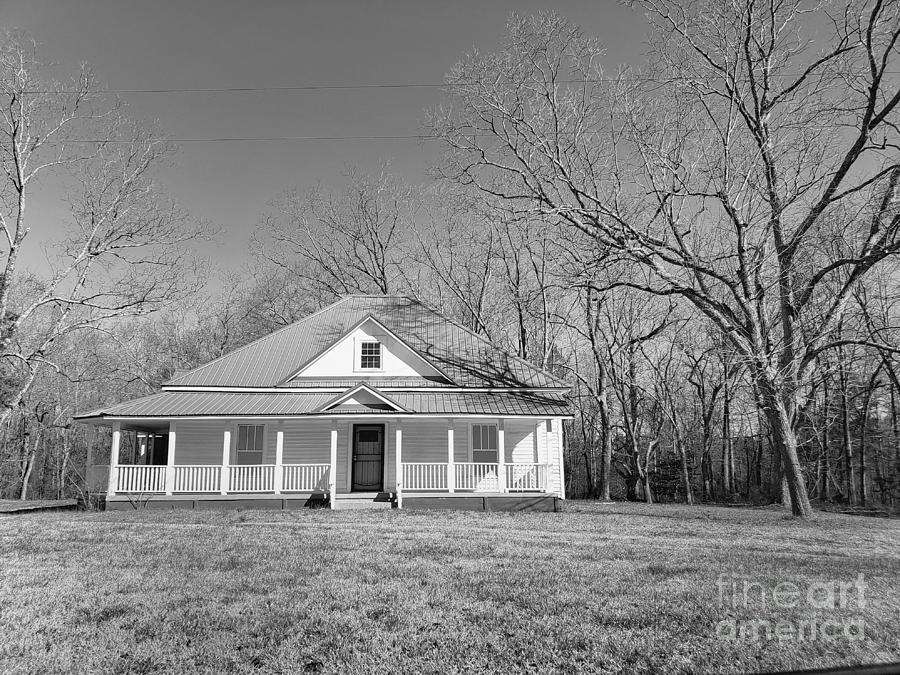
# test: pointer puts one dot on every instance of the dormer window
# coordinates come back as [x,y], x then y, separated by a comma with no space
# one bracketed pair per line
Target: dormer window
[370,356]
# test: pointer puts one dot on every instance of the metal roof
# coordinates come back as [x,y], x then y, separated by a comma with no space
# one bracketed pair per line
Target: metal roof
[394,381]
[245,404]
[466,358]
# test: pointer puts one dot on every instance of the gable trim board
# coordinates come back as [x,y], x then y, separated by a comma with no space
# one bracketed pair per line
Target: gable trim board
[361,387]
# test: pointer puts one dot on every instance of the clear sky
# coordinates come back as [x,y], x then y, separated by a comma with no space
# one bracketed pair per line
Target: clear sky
[144,44]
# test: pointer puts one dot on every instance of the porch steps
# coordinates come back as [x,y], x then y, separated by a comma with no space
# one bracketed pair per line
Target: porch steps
[364,500]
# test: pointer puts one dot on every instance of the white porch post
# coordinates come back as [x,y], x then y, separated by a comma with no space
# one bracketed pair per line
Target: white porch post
[451,467]
[226,460]
[279,458]
[558,427]
[399,461]
[332,472]
[114,458]
[170,464]
[89,436]
[501,456]
[538,458]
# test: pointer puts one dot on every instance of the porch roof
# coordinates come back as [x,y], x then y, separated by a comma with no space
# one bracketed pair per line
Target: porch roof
[246,404]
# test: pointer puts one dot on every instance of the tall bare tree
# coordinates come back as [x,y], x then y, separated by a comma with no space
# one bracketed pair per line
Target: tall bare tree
[120,250]
[338,243]
[759,131]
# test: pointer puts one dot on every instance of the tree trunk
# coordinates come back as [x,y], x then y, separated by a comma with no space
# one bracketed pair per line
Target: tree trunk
[63,465]
[785,441]
[864,420]
[824,465]
[587,475]
[606,432]
[849,478]
[706,472]
[685,471]
[727,449]
[29,466]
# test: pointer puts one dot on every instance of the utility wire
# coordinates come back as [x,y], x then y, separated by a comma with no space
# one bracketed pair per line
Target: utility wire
[398,85]
[361,137]
[229,139]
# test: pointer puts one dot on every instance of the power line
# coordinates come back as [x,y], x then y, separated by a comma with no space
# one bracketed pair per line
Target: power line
[230,139]
[360,137]
[397,85]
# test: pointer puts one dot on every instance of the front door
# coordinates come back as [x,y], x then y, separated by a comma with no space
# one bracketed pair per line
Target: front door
[368,458]
[160,453]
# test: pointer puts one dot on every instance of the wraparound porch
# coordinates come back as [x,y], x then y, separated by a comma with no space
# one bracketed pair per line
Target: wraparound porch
[397,446]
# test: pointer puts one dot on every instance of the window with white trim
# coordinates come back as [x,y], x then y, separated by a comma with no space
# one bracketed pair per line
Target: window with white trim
[370,356]
[484,443]
[250,444]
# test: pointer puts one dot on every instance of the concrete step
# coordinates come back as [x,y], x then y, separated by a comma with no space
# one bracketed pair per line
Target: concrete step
[364,500]
[348,504]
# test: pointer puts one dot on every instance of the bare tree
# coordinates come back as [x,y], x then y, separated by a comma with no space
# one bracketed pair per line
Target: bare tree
[451,261]
[121,251]
[720,169]
[341,243]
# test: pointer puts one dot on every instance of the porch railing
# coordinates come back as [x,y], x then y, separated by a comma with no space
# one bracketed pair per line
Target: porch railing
[305,477]
[251,478]
[478,477]
[134,478]
[424,476]
[197,478]
[526,477]
[260,478]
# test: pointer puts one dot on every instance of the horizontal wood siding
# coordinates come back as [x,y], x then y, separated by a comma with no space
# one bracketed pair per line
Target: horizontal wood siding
[461,441]
[199,442]
[305,442]
[554,457]
[541,432]
[425,441]
[520,441]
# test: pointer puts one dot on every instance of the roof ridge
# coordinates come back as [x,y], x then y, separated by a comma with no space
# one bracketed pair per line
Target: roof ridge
[492,345]
[253,342]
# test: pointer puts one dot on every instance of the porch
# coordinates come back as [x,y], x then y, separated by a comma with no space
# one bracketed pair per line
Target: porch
[189,460]
[312,478]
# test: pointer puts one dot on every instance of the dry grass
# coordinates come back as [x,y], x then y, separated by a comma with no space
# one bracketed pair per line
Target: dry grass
[620,588]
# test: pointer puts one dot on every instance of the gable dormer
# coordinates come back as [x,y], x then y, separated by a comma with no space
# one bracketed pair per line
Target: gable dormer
[362,398]
[368,350]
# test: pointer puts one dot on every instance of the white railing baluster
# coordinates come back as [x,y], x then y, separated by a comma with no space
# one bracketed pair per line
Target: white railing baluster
[526,477]
[425,475]
[197,478]
[305,477]
[140,478]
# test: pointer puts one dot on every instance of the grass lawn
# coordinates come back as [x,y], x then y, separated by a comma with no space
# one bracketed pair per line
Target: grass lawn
[616,588]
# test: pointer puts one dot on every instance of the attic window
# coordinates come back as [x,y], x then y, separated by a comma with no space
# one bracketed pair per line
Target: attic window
[370,356]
